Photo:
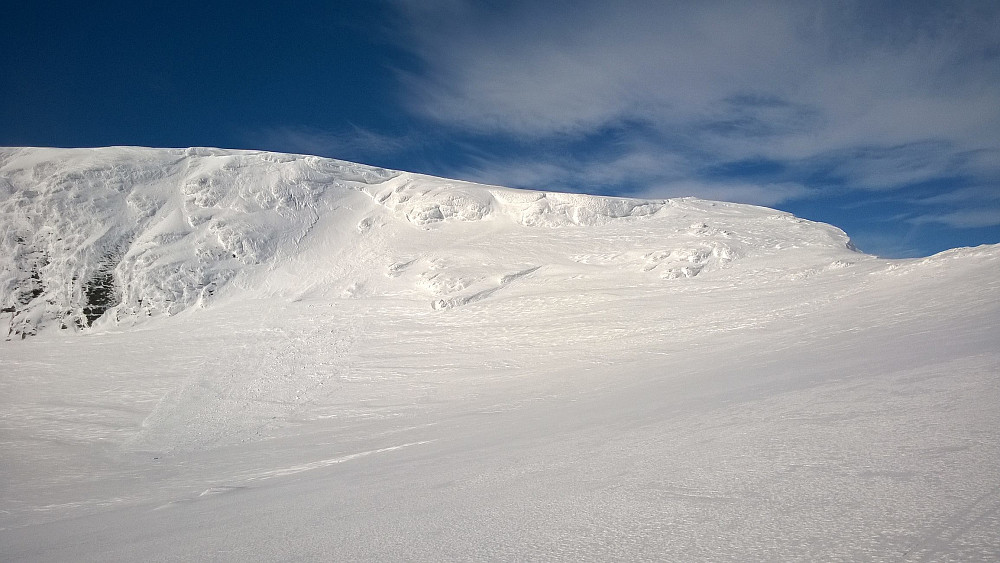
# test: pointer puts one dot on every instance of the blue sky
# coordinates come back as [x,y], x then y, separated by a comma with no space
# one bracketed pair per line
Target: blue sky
[882,118]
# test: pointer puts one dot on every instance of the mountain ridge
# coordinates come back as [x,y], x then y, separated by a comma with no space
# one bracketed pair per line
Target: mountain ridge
[117,234]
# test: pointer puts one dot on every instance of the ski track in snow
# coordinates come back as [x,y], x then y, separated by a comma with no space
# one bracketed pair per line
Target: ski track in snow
[307,359]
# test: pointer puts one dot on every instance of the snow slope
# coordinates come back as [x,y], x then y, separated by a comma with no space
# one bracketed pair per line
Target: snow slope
[122,234]
[270,356]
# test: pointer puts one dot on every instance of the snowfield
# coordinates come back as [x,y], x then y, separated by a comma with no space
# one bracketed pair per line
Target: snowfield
[231,356]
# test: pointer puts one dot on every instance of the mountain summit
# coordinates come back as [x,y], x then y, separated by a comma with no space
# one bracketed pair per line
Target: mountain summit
[112,236]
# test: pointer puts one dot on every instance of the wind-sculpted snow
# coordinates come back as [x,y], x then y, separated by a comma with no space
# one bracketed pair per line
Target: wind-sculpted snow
[113,236]
[167,228]
[425,200]
[556,209]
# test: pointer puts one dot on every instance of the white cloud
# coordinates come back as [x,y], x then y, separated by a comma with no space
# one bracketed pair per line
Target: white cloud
[766,194]
[788,81]
[542,67]
[667,178]
[636,163]
[976,194]
[887,168]
[963,219]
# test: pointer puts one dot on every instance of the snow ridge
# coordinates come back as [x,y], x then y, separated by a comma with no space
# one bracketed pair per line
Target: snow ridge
[113,236]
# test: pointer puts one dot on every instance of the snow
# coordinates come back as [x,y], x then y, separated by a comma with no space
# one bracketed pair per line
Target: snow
[309,359]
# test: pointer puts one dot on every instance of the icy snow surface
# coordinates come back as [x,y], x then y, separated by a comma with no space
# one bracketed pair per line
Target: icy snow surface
[232,356]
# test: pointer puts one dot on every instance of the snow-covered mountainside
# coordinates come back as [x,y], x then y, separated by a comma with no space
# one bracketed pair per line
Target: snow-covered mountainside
[231,356]
[112,236]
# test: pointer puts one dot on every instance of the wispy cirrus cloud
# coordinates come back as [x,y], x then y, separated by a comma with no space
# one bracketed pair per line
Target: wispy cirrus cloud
[989,195]
[778,80]
[634,173]
[965,208]
[626,170]
[963,219]
[867,167]
[829,76]
[756,193]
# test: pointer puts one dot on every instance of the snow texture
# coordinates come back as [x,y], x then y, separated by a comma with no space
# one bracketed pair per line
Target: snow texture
[231,355]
